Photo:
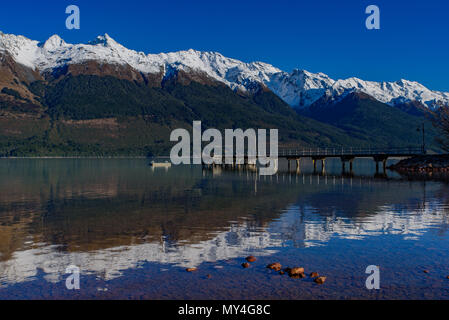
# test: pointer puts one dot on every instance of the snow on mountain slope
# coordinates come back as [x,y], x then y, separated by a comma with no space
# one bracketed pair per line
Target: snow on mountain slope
[394,92]
[22,50]
[298,88]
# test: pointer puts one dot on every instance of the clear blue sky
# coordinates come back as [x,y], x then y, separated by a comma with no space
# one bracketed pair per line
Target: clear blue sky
[319,36]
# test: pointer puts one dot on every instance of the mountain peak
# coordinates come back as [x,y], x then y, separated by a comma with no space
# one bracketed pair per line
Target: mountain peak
[106,41]
[54,42]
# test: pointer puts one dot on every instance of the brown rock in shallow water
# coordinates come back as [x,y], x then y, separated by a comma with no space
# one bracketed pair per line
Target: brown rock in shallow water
[191,269]
[314,274]
[297,276]
[275,266]
[295,271]
[282,273]
[246,265]
[209,276]
[426,271]
[251,259]
[320,280]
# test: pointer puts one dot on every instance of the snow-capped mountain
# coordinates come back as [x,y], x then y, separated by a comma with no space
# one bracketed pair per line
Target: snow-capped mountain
[299,88]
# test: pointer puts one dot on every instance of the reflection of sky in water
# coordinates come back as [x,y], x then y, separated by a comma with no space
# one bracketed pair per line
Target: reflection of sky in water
[306,212]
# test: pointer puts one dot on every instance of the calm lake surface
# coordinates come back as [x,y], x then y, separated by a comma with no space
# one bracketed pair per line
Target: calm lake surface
[133,231]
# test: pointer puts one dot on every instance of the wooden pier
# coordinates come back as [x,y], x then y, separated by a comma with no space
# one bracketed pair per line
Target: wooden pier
[347,155]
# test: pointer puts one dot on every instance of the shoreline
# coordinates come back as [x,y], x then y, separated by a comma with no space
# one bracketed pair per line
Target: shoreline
[423,164]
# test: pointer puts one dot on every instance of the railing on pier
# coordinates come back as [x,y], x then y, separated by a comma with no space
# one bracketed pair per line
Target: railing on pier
[357,152]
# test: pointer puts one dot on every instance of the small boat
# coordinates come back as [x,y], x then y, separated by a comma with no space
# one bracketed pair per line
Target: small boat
[165,164]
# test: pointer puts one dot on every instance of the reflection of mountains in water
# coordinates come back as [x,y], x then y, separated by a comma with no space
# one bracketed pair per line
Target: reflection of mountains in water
[301,226]
[304,227]
[109,263]
[112,219]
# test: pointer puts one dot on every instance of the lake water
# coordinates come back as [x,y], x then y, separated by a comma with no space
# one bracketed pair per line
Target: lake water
[133,231]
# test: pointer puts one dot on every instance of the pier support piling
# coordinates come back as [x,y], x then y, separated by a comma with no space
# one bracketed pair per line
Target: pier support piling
[383,159]
[323,163]
[349,159]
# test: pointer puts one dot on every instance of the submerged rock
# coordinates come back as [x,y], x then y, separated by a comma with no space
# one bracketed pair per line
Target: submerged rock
[246,265]
[295,271]
[251,259]
[275,266]
[314,275]
[320,280]
[191,269]
[297,276]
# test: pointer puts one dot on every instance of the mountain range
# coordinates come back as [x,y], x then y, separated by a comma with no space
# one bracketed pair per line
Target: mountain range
[104,99]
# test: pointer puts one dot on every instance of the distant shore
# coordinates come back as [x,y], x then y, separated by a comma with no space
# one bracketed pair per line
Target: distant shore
[424,163]
[86,157]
